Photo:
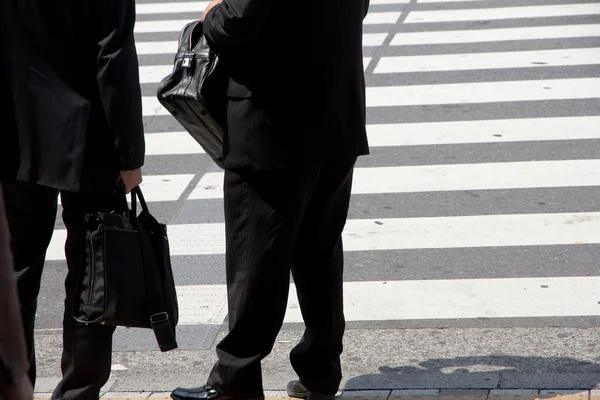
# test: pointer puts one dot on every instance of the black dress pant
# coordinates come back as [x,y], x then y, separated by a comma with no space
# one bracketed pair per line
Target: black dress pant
[276,221]
[31,212]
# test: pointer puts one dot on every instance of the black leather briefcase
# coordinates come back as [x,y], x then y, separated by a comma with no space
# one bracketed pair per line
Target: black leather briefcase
[195,93]
[127,278]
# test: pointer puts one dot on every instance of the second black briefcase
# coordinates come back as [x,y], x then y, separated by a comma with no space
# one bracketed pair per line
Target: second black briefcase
[127,278]
[195,93]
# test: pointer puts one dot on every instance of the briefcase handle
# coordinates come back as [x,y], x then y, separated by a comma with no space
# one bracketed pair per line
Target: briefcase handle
[136,194]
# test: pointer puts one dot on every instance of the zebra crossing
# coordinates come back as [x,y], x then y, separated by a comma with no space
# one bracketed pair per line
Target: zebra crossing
[480,198]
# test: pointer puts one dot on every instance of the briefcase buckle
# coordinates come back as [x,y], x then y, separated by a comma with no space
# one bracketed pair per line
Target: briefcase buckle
[156,319]
[164,332]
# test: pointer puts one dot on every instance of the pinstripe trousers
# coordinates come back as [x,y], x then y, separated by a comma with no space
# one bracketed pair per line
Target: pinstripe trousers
[278,221]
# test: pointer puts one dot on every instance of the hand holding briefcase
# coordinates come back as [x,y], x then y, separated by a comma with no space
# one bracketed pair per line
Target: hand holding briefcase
[195,93]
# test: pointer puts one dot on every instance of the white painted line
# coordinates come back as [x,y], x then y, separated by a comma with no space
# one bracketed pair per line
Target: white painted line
[487,14]
[382,18]
[172,8]
[454,177]
[366,62]
[154,73]
[409,233]
[151,107]
[492,176]
[484,131]
[449,62]
[390,2]
[161,26]
[166,47]
[465,298]
[472,231]
[479,61]
[165,187]
[171,143]
[210,186]
[170,47]
[374,39]
[434,299]
[484,92]
[428,133]
[496,35]
[202,304]
[458,93]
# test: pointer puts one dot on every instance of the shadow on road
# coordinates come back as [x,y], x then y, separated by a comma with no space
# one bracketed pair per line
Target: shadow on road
[485,372]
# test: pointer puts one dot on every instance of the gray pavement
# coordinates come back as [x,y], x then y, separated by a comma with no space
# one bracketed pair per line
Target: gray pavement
[492,351]
[453,358]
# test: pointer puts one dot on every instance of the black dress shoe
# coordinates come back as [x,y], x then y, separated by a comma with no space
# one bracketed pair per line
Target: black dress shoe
[204,392]
[298,390]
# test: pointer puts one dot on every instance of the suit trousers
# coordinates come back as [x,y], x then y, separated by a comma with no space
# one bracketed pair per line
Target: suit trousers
[14,382]
[277,221]
[31,211]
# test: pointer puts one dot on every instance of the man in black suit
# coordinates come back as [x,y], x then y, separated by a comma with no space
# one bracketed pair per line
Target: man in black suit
[72,101]
[296,125]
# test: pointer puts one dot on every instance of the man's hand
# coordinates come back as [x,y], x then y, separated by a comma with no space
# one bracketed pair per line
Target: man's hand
[131,179]
[209,7]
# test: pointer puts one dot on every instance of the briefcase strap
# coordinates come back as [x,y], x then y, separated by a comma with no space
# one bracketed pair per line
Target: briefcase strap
[159,319]
[161,325]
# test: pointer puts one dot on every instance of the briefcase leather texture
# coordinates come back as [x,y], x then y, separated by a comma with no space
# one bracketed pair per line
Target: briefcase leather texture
[195,93]
[127,279]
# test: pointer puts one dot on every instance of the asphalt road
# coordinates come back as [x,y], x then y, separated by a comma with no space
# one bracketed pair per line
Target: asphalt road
[474,232]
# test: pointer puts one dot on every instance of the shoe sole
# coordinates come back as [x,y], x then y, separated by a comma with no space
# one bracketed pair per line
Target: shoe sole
[298,395]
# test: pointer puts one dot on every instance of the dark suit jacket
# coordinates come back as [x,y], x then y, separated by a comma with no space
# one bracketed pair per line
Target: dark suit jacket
[71,70]
[297,88]
[13,357]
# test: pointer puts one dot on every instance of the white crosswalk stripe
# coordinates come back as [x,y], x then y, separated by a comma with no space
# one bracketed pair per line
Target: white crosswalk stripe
[172,7]
[496,35]
[484,131]
[160,188]
[170,46]
[502,13]
[176,25]
[164,47]
[450,62]
[457,112]
[409,233]
[459,93]
[454,177]
[432,133]
[483,92]
[478,61]
[440,299]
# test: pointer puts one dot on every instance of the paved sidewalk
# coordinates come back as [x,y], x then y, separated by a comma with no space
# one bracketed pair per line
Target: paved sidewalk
[428,394]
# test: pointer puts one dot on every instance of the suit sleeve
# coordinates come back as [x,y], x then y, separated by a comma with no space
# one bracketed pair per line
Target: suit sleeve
[367,5]
[235,24]
[118,79]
